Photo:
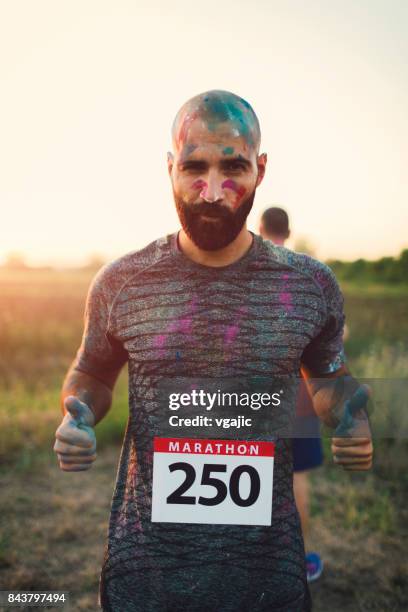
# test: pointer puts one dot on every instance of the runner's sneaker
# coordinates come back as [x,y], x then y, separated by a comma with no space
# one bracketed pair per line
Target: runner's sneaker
[314,566]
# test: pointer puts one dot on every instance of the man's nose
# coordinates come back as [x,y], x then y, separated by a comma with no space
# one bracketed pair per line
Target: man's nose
[212,191]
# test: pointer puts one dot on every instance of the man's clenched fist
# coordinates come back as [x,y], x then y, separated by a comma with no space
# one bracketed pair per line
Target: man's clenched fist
[75,438]
[352,446]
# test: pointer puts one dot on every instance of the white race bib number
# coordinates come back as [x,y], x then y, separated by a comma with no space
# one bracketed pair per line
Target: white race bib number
[226,482]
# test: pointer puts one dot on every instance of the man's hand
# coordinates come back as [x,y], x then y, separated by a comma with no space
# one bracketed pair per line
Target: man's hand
[354,450]
[353,453]
[76,443]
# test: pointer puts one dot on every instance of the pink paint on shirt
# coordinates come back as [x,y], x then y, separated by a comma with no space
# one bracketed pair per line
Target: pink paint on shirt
[231,334]
[183,325]
[232,330]
[285,298]
[159,343]
[160,340]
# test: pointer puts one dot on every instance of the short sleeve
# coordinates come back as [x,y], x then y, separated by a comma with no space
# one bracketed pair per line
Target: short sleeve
[325,353]
[100,354]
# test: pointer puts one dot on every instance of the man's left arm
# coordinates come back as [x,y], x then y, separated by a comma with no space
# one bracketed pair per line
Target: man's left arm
[338,398]
[340,401]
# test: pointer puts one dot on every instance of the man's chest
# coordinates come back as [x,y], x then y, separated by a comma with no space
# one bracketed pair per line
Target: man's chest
[248,319]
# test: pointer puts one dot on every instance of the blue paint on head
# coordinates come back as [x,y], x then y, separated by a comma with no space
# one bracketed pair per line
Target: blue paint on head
[224,107]
[187,150]
[219,107]
[228,150]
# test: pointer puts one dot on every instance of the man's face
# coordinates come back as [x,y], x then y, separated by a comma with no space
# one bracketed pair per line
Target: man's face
[214,175]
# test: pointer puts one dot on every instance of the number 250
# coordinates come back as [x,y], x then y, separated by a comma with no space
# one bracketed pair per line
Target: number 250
[178,497]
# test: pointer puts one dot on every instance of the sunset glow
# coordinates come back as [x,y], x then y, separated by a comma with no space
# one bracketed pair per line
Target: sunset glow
[89,93]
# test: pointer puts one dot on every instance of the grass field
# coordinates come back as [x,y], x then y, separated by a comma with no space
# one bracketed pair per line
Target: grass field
[53,525]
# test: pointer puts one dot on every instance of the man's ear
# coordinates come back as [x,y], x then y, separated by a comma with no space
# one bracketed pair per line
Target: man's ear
[170,162]
[261,163]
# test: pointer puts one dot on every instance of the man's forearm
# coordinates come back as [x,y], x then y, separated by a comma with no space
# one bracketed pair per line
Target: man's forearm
[329,392]
[328,402]
[88,389]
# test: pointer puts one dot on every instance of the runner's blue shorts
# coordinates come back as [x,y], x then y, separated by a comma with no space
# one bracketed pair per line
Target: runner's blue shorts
[307,451]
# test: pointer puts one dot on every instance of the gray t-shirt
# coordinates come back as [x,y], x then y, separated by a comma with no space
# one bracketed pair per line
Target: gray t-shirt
[167,316]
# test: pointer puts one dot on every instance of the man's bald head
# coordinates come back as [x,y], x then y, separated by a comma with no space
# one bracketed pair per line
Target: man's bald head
[215,167]
[220,112]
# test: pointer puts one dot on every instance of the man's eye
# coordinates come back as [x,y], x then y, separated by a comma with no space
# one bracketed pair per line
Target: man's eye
[192,169]
[234,167]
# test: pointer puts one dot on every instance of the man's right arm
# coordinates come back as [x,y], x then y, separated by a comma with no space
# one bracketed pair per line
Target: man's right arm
[90,390]
[85,400]
[86,394]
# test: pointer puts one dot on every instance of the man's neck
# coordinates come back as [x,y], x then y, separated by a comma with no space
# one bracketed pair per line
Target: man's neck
[215,259]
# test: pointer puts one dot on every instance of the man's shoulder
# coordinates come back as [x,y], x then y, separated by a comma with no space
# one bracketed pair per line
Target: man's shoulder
[114,274]
[306,265]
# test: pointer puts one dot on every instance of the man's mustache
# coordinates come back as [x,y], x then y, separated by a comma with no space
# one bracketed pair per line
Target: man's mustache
[210,210]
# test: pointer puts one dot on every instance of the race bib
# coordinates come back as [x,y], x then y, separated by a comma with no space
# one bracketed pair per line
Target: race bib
[226,482]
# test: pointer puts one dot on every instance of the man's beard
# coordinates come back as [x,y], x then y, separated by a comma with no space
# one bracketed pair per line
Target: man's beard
[212,235]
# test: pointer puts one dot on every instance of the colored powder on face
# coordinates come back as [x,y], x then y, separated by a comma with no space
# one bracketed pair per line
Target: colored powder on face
[187,150]
[199,184]
[185,125]
[228,150]
[230,184]
[240,191]
[240,195]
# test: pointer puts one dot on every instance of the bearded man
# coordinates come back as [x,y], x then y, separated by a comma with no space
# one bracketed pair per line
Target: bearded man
[215,300]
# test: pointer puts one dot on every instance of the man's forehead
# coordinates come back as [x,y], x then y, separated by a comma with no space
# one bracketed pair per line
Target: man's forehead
[198,139]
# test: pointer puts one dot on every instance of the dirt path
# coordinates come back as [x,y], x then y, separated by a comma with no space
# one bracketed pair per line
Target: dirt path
[53,529]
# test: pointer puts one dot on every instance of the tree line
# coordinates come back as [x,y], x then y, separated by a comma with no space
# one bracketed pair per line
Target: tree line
[387,270]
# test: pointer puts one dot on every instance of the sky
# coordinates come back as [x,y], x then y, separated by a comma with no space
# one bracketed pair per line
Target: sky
[89,90]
